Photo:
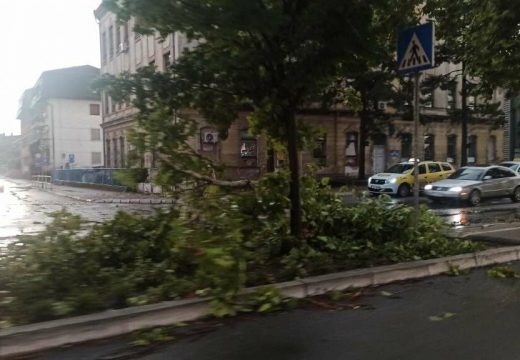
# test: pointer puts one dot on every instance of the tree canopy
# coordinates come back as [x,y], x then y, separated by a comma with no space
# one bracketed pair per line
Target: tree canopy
[269,57]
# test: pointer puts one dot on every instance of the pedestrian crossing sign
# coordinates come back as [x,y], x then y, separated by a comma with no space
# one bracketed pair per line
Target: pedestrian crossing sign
[415,48]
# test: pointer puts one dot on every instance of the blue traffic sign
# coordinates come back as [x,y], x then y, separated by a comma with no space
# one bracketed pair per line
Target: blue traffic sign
[416,48]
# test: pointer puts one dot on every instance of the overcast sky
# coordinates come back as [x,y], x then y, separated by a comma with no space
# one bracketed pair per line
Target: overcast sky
[42,35]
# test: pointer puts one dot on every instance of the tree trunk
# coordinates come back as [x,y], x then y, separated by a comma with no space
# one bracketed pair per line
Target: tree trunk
[294,191]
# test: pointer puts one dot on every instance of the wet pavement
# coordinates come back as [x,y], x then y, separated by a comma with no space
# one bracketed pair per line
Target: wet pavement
[25,209]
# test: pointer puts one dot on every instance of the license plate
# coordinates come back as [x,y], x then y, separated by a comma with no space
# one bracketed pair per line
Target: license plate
[375,187]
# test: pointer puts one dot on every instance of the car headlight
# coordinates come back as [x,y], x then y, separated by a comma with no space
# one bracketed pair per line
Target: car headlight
[456,189]
[370,179]
[393,181]
[428,187]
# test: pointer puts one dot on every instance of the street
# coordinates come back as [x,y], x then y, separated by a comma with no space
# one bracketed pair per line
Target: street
[471,316]
[25,209]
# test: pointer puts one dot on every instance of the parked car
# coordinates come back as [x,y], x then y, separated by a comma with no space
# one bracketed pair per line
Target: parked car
[399,179]
[513,165]
[473,184]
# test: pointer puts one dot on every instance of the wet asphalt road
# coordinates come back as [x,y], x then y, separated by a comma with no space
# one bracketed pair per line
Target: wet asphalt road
[472,316]
[24,209]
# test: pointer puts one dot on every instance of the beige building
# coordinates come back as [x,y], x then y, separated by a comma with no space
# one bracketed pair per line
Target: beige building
[246,156]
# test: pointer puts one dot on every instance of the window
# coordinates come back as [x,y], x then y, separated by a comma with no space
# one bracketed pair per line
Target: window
[492,149]
[167,61]
[96,158]
[125,33]
[452,148]
[429,147]
[422,169]
[95,109]
[247,145]
[428,98]
[434,167]
[506,173]
[472,149]
[472,102]
[95,134]
[451,103]
[111,42]
[107,151]
[406,146]
[116,155]
[446,167]
[107,104]
[112,105]
[208,139]
[118,38]
[104,48]
[352,149]
[320,151]
[122,151]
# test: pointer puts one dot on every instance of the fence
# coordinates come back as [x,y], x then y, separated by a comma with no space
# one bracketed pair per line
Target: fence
[42,181]
[101,176]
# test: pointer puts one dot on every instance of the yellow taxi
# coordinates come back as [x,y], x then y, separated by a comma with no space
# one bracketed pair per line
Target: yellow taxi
[399,179]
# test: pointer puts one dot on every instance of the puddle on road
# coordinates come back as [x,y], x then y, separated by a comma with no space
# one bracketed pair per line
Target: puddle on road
[466,218]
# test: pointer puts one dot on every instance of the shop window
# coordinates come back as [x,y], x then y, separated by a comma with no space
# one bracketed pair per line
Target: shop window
[248,148]
[320,151]
[429,147]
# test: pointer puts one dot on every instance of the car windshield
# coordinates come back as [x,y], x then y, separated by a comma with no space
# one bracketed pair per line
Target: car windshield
[399,168]
[467,174]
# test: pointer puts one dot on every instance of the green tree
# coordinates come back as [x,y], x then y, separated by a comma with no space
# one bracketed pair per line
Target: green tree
[267,57]
[456,44]
[373,78]
[493,43]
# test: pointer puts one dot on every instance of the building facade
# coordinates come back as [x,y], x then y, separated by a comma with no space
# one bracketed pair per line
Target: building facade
[247,156]
[60,122]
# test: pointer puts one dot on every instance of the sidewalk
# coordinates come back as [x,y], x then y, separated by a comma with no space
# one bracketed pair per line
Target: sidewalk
[85,194]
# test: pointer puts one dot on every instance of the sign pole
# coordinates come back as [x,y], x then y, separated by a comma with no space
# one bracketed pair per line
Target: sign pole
[416,147]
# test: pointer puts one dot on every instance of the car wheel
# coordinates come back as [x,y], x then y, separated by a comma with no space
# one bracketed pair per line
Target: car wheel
[403,190]
[474,198]
[516,194]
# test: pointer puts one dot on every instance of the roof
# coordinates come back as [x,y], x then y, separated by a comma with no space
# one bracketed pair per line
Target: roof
[68,83]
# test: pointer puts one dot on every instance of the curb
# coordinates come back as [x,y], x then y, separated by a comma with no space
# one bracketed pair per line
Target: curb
[42,336]
[140,201]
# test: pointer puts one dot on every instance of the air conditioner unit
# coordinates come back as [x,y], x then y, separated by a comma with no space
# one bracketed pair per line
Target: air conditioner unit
[123,47]
[211,137]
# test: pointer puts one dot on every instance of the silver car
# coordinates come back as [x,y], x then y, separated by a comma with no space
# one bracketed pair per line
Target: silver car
[473,184]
